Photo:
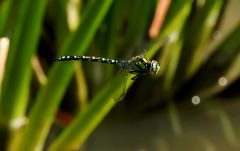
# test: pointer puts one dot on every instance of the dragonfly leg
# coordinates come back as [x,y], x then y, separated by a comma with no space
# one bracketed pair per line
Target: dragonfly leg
[136,77]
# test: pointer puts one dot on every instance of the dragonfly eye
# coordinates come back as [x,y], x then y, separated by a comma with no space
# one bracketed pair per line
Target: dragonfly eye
[155,67]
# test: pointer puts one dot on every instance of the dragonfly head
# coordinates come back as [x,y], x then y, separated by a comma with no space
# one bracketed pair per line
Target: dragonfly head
[155,67]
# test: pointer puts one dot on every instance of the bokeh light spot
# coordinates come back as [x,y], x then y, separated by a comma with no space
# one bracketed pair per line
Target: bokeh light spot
[222,81]
[196,100]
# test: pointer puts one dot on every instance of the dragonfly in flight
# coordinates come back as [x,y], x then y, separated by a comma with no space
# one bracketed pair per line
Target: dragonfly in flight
[139,65]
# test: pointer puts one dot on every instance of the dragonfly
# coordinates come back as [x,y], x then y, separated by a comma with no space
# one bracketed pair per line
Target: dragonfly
[138,65]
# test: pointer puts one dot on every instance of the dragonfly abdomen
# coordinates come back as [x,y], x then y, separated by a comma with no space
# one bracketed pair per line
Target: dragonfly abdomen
[119,63]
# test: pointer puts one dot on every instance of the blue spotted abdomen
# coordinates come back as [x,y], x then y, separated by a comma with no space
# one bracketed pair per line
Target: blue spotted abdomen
[119,63]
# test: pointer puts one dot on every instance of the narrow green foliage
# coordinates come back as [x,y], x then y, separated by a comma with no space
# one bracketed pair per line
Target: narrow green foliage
[86,121]
[4,14]
[201,27]
[50,94]
[173,29]
[220,64]
[16,82]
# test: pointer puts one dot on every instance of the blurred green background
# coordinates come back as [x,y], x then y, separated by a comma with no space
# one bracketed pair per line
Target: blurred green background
[192,104]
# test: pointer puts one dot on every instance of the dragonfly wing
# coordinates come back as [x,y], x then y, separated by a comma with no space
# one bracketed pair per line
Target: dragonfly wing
[123,87]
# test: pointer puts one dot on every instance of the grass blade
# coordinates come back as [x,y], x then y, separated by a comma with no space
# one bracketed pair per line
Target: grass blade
[23,43]
[48,99]
[5,8]
[74,135]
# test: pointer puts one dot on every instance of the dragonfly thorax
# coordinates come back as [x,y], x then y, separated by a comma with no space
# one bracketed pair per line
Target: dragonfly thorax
[154,67]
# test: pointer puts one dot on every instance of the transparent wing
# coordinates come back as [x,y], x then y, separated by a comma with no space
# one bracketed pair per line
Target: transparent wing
[122,90]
